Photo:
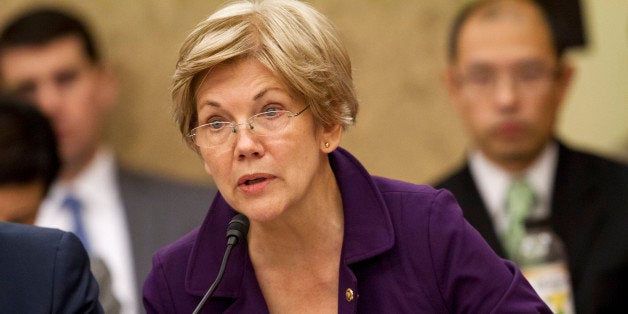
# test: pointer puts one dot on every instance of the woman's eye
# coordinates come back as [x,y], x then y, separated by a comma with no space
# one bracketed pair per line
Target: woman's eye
[270,112]
[216,125]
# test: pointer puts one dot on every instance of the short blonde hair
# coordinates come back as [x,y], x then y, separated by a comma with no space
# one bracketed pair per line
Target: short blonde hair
[294,41]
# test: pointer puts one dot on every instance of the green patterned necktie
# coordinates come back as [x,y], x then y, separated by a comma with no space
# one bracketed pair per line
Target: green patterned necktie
[519,201]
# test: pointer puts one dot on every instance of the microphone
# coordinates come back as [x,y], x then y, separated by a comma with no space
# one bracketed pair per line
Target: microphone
[236,231]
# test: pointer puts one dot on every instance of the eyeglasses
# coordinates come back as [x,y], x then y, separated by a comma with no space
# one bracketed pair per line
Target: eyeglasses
[271,122]
[528,78]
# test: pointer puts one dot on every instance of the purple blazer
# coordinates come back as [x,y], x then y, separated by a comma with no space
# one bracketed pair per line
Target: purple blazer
[406,249]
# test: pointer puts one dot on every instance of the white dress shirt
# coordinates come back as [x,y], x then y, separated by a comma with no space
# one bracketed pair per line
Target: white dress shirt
[493,182]
[105,222]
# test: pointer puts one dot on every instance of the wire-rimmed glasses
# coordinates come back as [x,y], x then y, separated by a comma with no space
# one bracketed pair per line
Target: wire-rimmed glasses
[271,122]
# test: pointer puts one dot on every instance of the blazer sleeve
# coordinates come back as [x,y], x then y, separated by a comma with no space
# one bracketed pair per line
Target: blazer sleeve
[470,276]
[74,288]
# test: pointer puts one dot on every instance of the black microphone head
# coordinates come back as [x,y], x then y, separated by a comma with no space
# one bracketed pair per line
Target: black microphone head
[237,229]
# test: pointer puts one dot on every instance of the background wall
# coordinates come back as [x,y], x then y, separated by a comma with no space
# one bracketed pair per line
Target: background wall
[406,128]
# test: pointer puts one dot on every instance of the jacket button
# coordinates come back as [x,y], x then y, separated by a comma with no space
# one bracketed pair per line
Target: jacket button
[349,294]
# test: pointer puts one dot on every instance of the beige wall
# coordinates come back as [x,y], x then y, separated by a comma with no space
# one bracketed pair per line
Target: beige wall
[596,112]
[406,127]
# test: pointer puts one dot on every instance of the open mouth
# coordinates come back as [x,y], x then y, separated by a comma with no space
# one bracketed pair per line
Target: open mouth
[253,181]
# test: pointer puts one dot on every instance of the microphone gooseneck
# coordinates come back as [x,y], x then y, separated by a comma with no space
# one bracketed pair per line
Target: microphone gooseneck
[236,231]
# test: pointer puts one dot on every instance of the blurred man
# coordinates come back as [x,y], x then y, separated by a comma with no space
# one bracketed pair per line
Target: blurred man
[49,58]
[507,78]
[29,162]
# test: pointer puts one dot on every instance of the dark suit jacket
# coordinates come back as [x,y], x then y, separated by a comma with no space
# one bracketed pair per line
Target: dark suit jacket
[44,270]
[589,212]
[158,211]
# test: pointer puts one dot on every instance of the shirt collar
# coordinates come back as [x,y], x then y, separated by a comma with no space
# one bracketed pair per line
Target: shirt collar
[89,181]
[368,232]
[99,172]
[94,185]
[493,181]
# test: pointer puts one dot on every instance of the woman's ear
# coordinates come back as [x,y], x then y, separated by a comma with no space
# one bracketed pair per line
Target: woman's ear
[330,138]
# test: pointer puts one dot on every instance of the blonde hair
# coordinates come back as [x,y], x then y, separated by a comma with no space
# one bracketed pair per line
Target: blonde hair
[294,41]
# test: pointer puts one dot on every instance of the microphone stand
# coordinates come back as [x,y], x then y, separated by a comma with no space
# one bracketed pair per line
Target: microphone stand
[237,230]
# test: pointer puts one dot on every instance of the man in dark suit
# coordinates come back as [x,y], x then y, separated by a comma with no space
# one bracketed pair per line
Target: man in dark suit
[44,270]
[507,77]
[49,58]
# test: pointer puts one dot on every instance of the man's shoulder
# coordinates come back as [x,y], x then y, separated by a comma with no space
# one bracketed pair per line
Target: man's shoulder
[575,164]
[36,245]
[457,179]
[576,156]
[51,265]
[28,234]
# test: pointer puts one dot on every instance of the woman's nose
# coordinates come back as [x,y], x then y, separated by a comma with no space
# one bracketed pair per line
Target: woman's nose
[247,143]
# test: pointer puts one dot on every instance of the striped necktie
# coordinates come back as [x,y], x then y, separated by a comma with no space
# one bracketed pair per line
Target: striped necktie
[75,207]
[520,200]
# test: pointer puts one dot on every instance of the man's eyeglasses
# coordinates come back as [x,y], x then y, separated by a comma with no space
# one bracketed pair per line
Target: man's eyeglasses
[271,122]
[529,78]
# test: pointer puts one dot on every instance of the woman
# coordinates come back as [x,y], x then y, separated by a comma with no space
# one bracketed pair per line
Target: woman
[263,91]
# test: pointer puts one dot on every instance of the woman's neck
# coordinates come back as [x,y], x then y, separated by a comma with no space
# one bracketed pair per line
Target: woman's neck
[316,228]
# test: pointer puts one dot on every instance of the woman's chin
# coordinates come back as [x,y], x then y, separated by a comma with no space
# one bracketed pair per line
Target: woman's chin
[262,214]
